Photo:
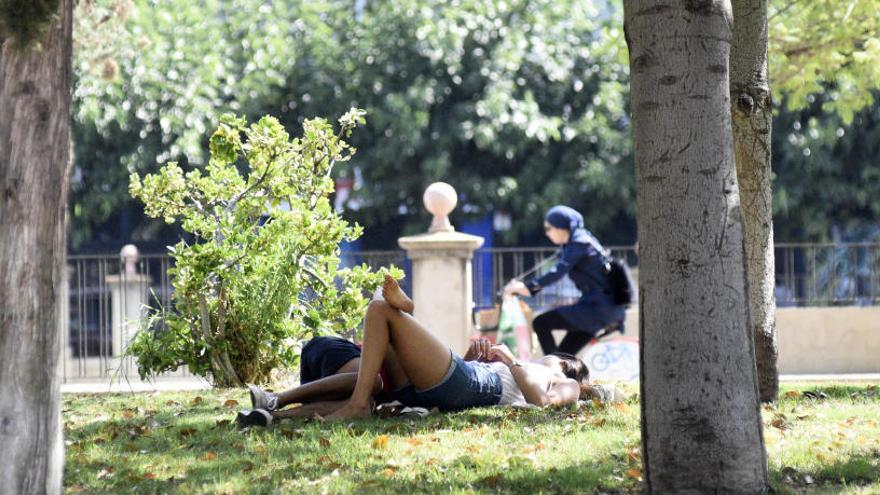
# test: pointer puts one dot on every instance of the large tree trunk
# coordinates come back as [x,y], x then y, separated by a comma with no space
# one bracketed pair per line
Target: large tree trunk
[701,422]
[34,155]
[750,107]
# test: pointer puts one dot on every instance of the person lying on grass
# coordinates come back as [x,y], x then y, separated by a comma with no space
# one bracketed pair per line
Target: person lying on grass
[423,372]
[328,373]
[434,376]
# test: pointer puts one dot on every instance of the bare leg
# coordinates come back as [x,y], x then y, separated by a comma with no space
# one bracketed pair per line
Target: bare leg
[340,385]
[333,387]
[322,408]
[423,358]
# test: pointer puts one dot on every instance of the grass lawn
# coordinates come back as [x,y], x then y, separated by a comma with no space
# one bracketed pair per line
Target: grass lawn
[186,442]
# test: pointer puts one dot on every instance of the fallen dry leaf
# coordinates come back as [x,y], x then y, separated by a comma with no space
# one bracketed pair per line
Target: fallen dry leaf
[230,403]
[197,400]
[324,442]
[779,423]
[633,455]
[634,473]
[209,456]
[491,481]
[388,472]
[104,473]
[380,442]
[292,434]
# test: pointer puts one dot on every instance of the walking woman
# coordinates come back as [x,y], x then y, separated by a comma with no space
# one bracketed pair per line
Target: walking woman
[583,259]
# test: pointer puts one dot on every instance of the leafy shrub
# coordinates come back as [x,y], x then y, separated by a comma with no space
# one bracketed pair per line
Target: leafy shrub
[263,273]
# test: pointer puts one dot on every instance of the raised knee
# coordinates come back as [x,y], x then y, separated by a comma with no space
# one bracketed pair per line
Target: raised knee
[378,306]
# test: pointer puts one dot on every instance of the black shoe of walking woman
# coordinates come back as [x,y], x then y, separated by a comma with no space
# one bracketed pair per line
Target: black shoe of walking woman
[254,417]
[617,326]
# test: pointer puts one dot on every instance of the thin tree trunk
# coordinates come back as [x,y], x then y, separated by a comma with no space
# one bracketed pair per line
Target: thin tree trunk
[701,423]
[750,108]
[34,157]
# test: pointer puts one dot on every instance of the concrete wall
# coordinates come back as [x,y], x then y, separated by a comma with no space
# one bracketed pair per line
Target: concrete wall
[819,340]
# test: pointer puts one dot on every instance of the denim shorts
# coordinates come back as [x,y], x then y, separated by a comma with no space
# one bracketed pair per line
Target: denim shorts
[466,384]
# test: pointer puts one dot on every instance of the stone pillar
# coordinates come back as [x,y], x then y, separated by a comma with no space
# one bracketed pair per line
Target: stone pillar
[128,295]
[442,283]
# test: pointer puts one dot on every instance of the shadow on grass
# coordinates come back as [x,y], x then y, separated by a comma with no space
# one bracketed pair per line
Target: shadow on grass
[814,391]
[855,470]
[582,478]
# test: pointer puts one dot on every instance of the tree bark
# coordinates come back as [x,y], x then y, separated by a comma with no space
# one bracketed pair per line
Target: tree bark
[701,422]
[34,158]
[751,112]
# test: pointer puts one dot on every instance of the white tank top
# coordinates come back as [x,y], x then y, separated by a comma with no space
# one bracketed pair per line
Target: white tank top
[511,395]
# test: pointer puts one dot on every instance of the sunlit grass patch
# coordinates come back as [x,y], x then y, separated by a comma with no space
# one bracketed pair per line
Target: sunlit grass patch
[186,442]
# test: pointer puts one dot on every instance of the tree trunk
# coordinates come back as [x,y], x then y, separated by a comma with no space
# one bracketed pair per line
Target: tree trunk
[34,156]
[701,422]
[750,108]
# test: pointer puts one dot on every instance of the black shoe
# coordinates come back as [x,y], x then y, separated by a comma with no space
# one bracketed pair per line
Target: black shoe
[254,417]
[617,326]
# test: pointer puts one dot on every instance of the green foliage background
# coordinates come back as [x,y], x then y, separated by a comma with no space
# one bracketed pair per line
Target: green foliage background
[519,105]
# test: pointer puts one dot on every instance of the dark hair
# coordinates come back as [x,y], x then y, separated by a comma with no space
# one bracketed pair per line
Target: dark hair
[573,367]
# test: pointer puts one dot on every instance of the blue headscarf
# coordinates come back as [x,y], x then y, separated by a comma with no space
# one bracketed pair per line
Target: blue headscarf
[564,217]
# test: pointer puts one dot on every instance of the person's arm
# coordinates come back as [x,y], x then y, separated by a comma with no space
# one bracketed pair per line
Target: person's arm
[536,387]
[571,255]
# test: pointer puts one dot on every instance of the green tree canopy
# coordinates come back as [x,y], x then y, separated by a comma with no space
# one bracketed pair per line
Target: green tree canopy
[825,47]
[519,105]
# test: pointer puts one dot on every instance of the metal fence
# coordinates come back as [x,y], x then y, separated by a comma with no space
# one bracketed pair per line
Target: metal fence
[832,274]
[806,275]
[96,304]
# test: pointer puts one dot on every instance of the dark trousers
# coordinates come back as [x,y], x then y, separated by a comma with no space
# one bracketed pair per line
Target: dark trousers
[574,339]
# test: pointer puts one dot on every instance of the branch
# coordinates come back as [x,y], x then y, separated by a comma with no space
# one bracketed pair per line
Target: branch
[314,276]
[782,10]
[250,188]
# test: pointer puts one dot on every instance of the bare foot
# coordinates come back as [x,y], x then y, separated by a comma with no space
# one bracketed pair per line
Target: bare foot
[351,411]
[395,296]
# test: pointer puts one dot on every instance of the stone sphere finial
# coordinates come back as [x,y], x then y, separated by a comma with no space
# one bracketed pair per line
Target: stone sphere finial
[130,256]
[440,199]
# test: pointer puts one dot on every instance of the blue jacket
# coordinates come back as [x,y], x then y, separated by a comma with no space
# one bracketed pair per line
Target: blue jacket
[582,259]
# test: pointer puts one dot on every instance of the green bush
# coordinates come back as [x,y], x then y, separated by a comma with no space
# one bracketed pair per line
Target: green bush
[263,273]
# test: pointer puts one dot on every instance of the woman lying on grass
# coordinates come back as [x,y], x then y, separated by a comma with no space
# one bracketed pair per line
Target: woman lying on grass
[418,370]
[428,374]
